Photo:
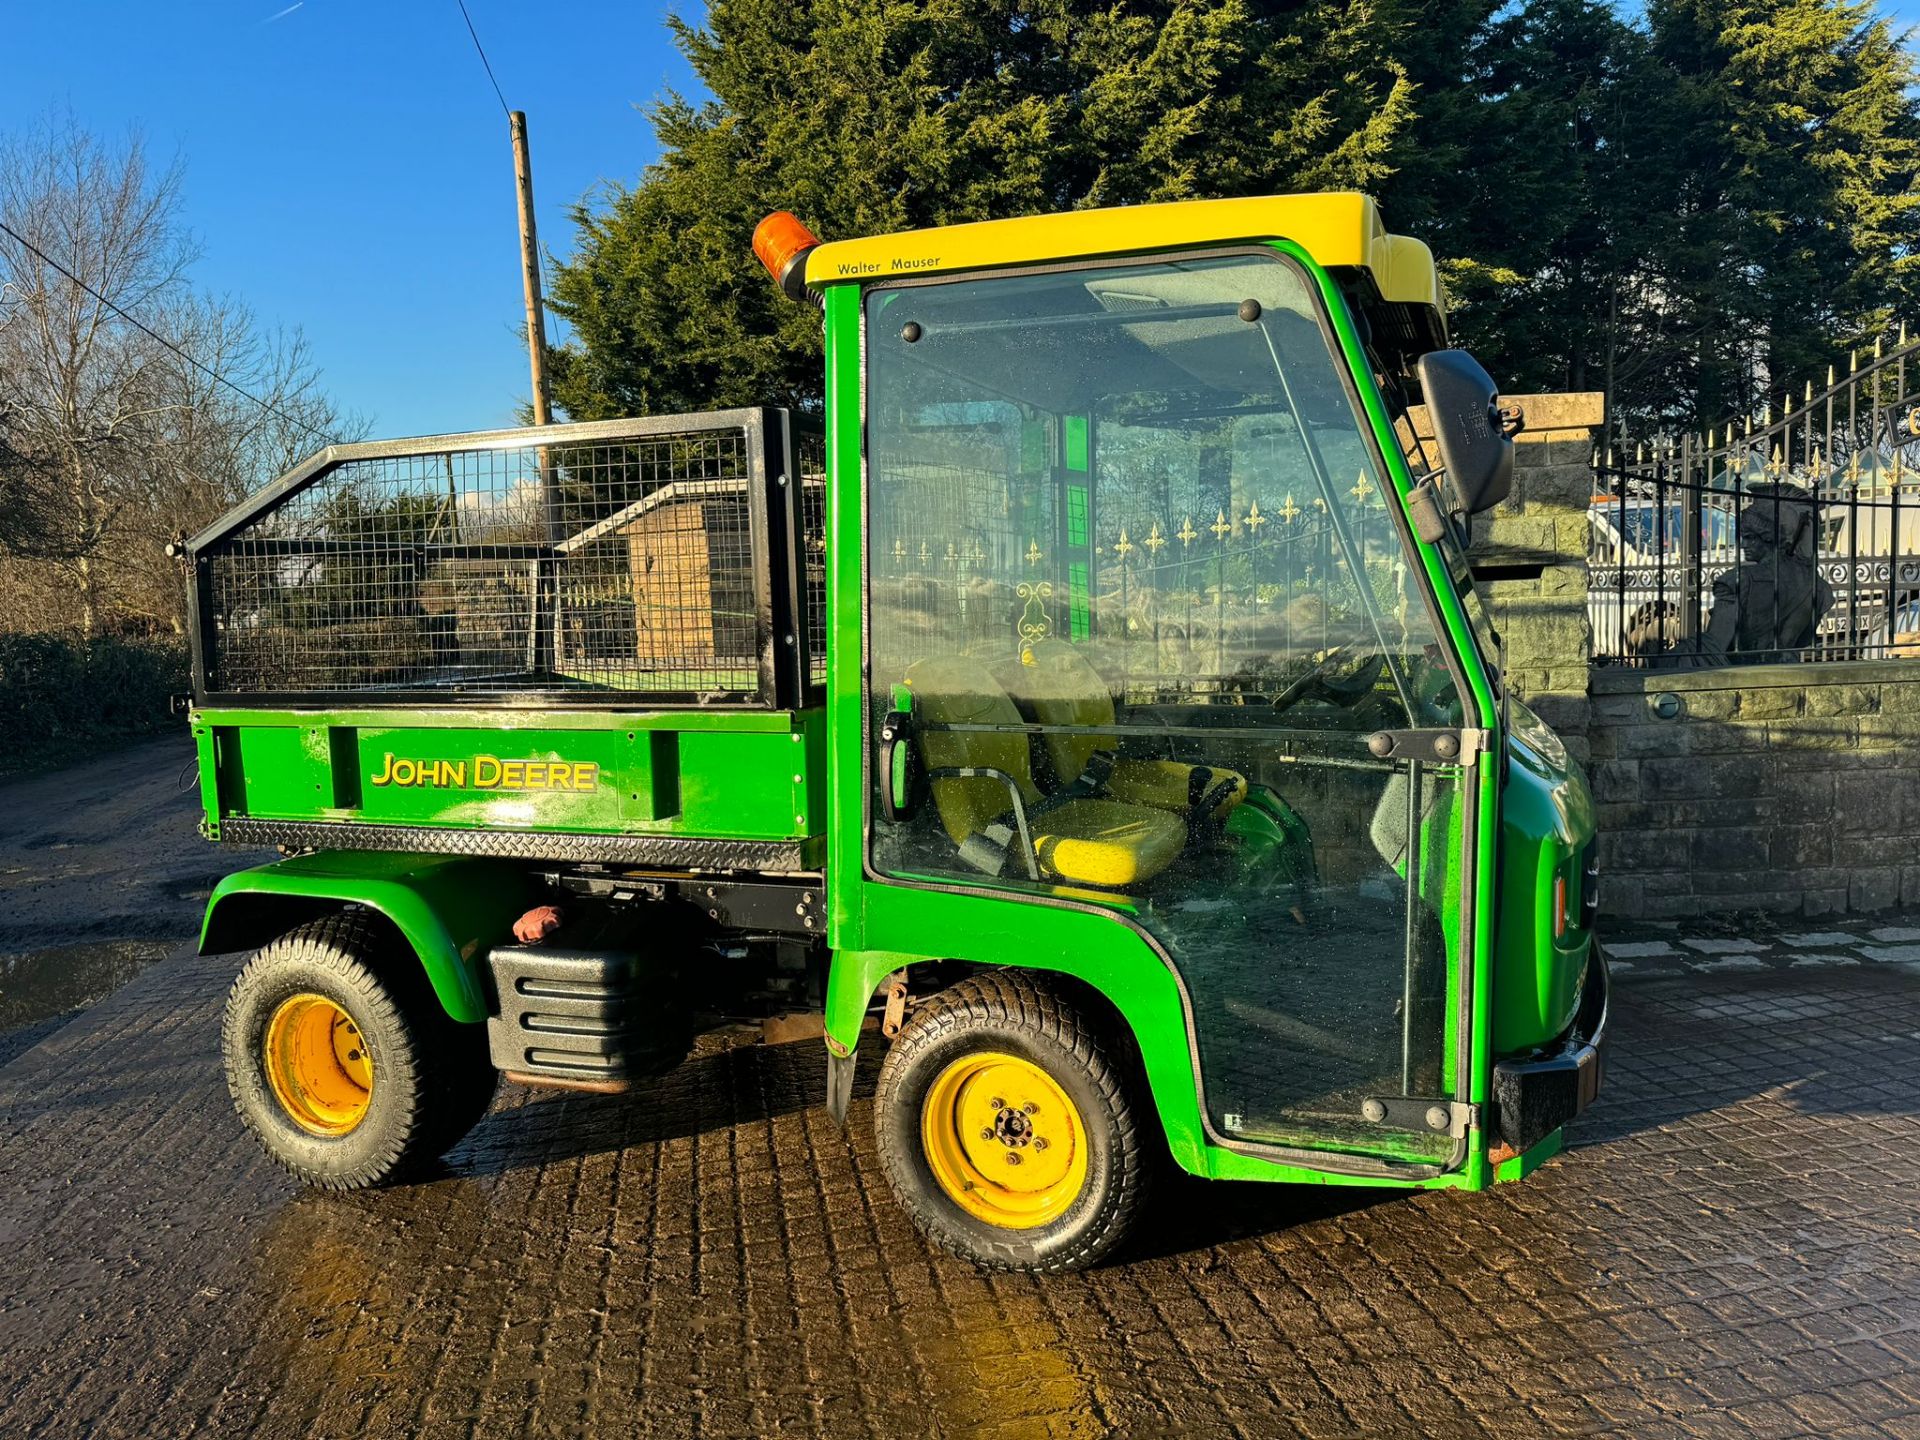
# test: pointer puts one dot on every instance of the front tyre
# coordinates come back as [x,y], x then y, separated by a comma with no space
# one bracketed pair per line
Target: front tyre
[1007,1129]
[349,1074]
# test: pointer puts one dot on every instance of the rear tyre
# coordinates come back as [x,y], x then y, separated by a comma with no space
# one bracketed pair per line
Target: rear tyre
[1006,1125]
[347,1071]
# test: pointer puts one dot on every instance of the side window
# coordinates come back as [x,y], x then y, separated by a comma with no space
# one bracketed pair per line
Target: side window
[1228,572]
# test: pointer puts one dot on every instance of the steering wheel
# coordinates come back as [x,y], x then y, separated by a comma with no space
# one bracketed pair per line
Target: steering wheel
[1320,682]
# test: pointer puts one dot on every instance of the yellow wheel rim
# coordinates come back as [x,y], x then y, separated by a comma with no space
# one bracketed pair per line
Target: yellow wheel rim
[318,1066]
[1004,1141]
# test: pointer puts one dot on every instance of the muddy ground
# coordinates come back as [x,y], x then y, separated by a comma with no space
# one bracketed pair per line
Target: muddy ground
[102,872]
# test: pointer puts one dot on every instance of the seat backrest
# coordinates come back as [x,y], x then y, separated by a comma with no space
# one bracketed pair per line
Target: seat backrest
[1061,688]
[956,690]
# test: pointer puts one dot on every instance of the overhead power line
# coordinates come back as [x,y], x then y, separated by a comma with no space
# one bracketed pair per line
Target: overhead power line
[151,333]
[482,51]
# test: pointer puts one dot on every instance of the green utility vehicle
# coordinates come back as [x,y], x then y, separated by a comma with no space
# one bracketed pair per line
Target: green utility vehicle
[1089,717]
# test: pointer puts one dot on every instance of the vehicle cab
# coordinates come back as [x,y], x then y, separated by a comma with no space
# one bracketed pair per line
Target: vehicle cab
[1159,667]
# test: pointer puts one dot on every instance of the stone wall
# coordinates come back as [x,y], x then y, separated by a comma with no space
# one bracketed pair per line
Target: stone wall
[1765,787]
[1790,788]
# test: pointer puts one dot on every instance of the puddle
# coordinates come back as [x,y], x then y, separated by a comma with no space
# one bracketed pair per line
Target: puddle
[37,985]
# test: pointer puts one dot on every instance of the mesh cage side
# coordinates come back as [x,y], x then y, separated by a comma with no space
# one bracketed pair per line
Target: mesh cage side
[614,566]
[812,450]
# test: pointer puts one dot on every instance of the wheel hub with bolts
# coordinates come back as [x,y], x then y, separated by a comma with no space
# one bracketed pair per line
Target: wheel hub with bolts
[1004,1141]
[1013,1127]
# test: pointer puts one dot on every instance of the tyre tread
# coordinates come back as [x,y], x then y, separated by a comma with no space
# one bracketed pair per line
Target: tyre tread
[1021,1000]
[439,1102]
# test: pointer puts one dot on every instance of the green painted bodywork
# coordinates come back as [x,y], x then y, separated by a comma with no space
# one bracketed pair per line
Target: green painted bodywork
[1518,1167]
[877,925]
[1547,817]
[448,909]
[744,775]
[1523,813]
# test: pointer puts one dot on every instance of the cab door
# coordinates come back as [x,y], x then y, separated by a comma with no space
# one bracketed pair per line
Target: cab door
[1144,633]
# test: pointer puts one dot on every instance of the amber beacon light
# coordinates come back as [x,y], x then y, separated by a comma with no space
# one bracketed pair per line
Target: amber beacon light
[783,243]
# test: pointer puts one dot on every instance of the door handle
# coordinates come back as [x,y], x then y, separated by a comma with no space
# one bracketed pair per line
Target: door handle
[899,768]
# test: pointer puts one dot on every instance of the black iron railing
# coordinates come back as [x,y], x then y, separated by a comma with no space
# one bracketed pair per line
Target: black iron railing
[1794,539]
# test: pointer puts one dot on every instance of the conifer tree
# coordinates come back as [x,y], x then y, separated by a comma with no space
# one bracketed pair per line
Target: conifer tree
[1547,248]
[865,117]
[1681,209]
[1797,209]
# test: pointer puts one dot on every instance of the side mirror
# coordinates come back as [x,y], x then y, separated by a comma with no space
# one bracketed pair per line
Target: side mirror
[1474,435]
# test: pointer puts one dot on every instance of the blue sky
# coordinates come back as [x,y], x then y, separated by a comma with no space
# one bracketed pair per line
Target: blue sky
[348,167]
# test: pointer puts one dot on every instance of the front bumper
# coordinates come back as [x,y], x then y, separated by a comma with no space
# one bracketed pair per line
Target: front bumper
[1532,1098]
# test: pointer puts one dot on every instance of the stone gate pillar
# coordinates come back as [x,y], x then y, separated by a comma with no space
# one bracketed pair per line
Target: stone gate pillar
[1530,554]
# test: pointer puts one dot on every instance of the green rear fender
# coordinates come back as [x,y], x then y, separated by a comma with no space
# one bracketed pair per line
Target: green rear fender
[448,909]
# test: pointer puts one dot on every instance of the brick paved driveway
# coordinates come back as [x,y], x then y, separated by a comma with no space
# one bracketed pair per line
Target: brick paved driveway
[1731,1249]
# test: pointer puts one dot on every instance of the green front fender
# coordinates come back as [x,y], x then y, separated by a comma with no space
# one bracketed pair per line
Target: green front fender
[1091,943]
[448,909]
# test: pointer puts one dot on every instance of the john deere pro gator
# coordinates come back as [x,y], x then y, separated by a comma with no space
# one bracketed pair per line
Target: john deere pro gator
[1088,717]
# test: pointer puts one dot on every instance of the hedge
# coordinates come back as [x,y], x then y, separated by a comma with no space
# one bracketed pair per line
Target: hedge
[57,695]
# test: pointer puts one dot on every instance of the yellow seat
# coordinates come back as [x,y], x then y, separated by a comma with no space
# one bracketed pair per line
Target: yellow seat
[1089,842]
[1062,688]
[1104,842]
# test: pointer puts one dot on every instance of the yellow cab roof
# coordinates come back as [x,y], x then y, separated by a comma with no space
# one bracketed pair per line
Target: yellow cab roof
[1339,230]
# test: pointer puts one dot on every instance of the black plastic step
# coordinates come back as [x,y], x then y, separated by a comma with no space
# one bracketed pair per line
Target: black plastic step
[582,1010]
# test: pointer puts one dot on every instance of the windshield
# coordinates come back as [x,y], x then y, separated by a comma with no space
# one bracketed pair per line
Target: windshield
[1157,462]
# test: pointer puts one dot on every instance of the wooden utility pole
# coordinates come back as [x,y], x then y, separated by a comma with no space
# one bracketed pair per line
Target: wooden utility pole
[544,635]
[530,271]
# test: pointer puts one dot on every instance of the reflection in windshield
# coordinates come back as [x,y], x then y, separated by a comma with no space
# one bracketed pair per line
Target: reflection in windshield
[1111,456]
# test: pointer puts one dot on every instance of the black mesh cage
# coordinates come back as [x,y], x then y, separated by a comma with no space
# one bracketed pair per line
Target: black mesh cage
[665,561]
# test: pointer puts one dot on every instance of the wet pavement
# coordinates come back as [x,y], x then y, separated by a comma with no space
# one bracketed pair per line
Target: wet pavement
[1730,1248]
[41,990]
[102,872]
